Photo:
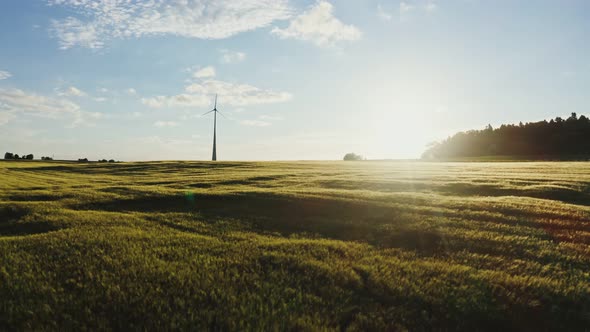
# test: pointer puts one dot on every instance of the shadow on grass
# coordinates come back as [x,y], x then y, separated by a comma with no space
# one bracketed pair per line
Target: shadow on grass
[259,181]
[33,197]
[383,186]
[369,222]
[286,215]
[380,225]
[11,223]
[566,195]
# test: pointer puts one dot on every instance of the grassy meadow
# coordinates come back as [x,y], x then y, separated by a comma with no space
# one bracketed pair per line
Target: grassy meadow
[295,246]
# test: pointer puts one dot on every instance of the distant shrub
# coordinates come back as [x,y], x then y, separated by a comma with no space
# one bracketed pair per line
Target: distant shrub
[112,161]
[352,156]
[8,155]
[30,157]
[83,160]
[46,158]
[102,161]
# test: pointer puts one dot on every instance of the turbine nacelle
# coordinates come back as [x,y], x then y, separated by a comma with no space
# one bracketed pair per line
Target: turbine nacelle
[214,109]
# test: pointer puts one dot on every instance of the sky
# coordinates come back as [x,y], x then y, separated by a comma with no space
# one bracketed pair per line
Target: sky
[297,80]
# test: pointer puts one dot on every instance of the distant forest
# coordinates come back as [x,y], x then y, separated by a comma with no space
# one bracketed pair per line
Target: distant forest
[554,139]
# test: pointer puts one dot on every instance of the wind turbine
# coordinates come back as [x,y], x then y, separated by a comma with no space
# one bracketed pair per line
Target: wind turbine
[215,111]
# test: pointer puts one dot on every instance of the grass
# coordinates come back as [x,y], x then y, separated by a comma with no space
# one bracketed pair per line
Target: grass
[295,246]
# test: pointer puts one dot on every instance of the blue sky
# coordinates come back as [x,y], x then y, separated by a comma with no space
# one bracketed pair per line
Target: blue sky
[129,79]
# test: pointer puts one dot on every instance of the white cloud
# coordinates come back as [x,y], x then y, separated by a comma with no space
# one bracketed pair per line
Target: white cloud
[5,75]
[161,124]
[73,92]
[100,99]
[201,92]
[255,123]
[235,94]
[15,101]
[319,26]
[270,117]
[20,101]
[131,91]
[262,121]
[72,32]
[181,100]
[205,72]
[5,117]
[383,14]
[230,94]
[101,20]
[232,57]
[405,7]
[431,6]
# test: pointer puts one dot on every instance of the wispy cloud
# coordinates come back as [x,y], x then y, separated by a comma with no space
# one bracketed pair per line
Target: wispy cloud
[205,72]
[199,93]
[405,7]
[270,117]
[383,14]
[131,91]
[408,7]
[431,6]
[6,116]
[98,21]
[318,25]
[261,121]
[255,123]
[161,124]
[236,94]
[73,32]
[72,91]
[232,57]
[5,75]
[15,101]
[181,100]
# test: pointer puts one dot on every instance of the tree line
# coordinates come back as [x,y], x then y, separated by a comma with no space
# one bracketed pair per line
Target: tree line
[555,139]
[352,156]
[14,156]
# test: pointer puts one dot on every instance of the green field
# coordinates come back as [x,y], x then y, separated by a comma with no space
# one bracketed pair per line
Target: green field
[295,246]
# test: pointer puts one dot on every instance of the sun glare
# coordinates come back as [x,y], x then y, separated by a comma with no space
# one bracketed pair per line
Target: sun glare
[399,129]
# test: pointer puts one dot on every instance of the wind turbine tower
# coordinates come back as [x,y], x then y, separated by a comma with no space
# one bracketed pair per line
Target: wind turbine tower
[215,111]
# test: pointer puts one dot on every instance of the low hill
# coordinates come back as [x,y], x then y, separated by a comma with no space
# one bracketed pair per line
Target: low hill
[567,139]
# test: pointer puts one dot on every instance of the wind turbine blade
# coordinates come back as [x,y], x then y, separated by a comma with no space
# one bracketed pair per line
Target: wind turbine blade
[222,114]
[208,112]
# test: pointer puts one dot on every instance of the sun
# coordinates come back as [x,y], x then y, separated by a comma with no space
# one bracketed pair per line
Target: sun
[399,131]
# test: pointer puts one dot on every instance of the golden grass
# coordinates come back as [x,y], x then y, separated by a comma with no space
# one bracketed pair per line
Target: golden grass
[295,245]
